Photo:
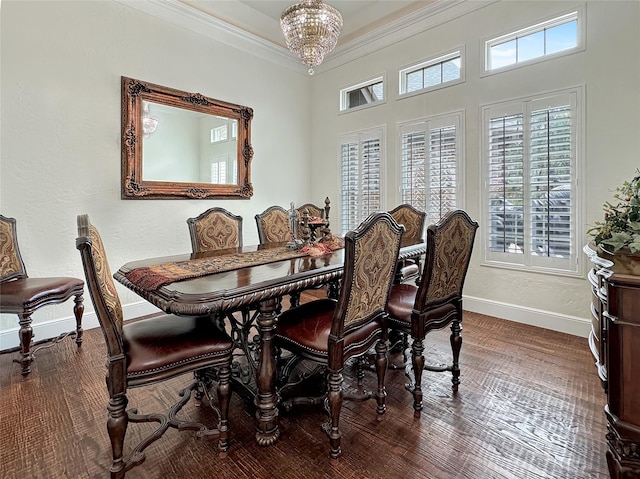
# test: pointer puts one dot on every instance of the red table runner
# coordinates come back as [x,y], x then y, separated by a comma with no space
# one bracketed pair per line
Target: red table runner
[153,277]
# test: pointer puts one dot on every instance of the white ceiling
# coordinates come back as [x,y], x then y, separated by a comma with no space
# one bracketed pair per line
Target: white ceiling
[254,25]
[262,17]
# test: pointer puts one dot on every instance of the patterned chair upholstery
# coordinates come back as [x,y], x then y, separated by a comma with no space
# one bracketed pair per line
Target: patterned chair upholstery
[437,301]
[274,225]
[150,350]
[413,221]
[313,210]
[329,331]
[216,228]
[22,295]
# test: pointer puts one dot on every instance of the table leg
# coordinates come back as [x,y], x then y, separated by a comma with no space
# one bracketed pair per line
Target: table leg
[266,399]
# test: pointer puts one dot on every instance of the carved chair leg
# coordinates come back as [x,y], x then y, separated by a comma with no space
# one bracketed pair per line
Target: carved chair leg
[26,335]
[360,364]
[382,363]
[333,289]
[335,405]
[417,360]
[117,428]
[294,299]
[78,310]
[224,395]
[456,345]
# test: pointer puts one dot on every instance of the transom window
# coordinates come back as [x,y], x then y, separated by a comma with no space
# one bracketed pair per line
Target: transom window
[361,157]
[219,134]
[431,159]
[557,36]
[531,162]
[433,73]
[362,94]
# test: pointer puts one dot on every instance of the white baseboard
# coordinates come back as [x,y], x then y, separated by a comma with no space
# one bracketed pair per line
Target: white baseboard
[9,338]
[543,319]
[535,317]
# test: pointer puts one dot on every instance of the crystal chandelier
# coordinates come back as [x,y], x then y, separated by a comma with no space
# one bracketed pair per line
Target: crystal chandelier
[311,30]
[149,123]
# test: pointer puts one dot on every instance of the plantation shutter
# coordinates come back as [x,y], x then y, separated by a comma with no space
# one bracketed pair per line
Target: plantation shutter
[506,183]
[414,186]
[361,171]
[551,182]
[531,162]
[430,161]
[442,172]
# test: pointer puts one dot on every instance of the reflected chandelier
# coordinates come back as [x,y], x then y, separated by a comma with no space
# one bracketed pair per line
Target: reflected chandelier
[311,29]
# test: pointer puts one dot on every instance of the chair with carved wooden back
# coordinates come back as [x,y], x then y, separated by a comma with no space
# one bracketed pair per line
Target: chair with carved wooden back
[216,228]
[413,221]
[151,350]
[274,225]
[23,295]
[329,332]
[437,301]
[314,211]
[314,230]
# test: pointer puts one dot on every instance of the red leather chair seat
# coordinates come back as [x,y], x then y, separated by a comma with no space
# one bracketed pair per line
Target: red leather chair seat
[163,343]
[23,294]
[401,301]
[308,327]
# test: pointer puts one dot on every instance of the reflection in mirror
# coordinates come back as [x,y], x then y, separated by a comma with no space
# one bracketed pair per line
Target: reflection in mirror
[188,146]
[191,146]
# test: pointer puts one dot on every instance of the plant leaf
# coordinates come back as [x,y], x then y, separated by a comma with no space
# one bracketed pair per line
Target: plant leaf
[617,240]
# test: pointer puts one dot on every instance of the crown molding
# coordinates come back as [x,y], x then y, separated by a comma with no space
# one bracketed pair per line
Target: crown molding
[421,20]
[196,21]
[192,19]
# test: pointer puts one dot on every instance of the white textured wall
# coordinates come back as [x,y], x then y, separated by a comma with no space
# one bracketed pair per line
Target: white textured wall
[60,127]
[60,130]
[609,69]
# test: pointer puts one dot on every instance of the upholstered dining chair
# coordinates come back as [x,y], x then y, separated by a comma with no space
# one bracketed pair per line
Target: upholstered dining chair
[437,301]
[312,209]
[23,295]
[413,221]
[214,229]
[274,225]
[151,350]
[330,332]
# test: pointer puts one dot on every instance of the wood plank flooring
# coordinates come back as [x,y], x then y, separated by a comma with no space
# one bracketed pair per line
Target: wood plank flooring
[530,406]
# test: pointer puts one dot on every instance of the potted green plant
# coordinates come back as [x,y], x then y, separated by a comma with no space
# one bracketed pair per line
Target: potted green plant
[620,230]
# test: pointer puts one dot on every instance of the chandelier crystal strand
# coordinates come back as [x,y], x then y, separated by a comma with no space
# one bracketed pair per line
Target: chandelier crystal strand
[311,29]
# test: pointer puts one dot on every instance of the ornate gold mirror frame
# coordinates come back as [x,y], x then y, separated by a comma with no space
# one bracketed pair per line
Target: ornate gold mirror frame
[189,156]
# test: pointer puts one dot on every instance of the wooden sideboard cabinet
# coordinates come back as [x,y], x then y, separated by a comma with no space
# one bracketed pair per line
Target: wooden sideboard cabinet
[615,343]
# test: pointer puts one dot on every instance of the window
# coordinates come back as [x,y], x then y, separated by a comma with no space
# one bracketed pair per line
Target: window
[431,74]
[554,37]
[363,94]
[219,134]
[532,162]
[431,164]
[219,172]
[361,156]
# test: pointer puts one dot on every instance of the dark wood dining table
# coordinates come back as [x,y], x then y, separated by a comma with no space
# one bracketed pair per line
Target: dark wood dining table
[259,286]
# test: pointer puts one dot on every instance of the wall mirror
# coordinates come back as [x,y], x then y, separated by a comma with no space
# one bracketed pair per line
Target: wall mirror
[177,144]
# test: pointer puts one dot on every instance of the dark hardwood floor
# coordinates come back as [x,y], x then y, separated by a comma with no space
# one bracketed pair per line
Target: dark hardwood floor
[529,406]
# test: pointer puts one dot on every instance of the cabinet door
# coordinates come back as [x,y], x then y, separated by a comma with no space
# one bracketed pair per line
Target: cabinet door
[623,352]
